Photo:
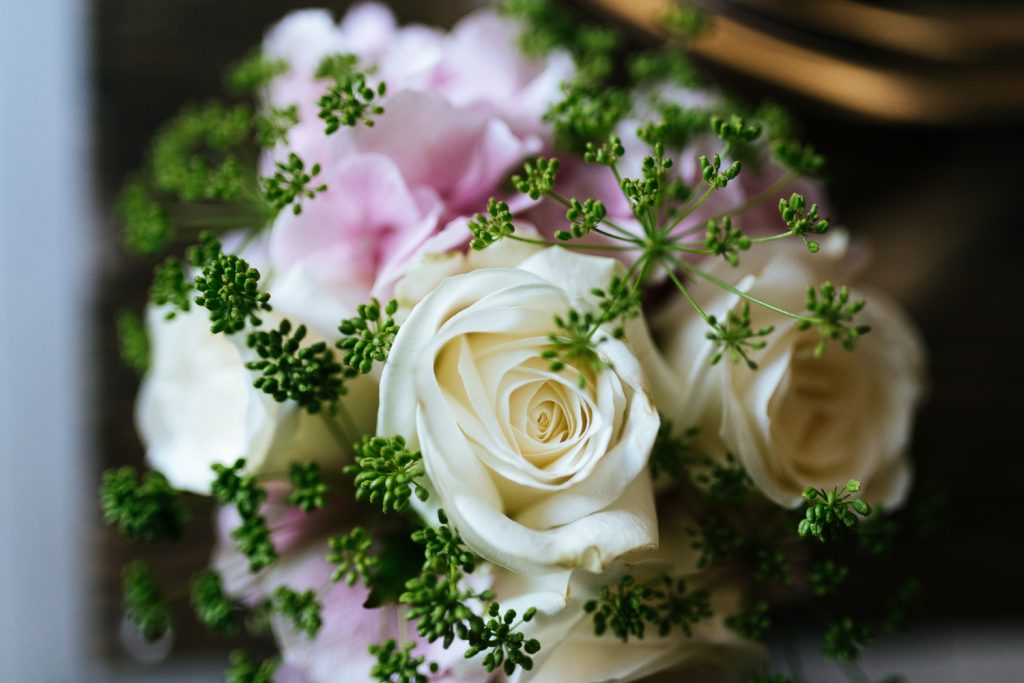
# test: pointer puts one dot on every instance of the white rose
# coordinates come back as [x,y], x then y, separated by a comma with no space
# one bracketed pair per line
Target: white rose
[571,652]
[197,404]
[533,470]
[801,421]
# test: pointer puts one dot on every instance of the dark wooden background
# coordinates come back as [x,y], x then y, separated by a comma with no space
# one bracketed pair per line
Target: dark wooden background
[942,207]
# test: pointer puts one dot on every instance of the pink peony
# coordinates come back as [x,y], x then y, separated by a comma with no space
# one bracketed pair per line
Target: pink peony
[450,135]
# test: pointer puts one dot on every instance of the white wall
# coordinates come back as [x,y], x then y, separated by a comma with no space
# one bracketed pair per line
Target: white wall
[46,231]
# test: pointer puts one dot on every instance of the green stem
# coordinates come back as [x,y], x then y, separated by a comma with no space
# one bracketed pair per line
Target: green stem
[759,197]
[772,238]
[341,432]
[572,245]
[689,297]
[689,267]
[626,234]
[687,211]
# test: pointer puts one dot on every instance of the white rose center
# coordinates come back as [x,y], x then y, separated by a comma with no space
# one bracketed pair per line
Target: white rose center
[534,429]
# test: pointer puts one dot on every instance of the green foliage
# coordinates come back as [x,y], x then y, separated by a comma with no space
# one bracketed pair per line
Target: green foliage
[397,665]
[826,576]
[753,620]
[254,72]
[301,609]
[309,492]
[147,228]
[205,251]
[274,125]
[538,177]
[582,218]
[547,25]
[671,451]
[212,605]
[443,549]
[724,481]
[595,48]
[505,647]
[585,114]
[290,184]
[574,344]
[144,604]
[171,287]
[441,608]
[830,513]
[833,316]
[231,487]
[802,220]
[133,341]
[436,599]
[685,21]
[386,472]
[337,66]
[844,639]
[253,541]
[149,510]
[606,154]
[229,287]
[734,129]
[488,229]
[647,193]
[244,670]
[309,375]
[349,100]
[770,678]
[725,240]
[716,540]
[677,127]
[351,553]
[628,608]
[771,566]
[196,156]
[367,337]
[667,64]
[736,338]
[798,157]
[713,173]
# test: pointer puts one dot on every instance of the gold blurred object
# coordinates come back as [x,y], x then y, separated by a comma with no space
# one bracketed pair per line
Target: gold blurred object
[957,66]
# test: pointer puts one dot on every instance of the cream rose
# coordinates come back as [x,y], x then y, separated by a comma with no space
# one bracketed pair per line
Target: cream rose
[571,652]
[534,470]
[801,421]
[197,404]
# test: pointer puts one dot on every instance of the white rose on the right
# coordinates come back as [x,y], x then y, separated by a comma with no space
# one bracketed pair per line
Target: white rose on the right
[797,420]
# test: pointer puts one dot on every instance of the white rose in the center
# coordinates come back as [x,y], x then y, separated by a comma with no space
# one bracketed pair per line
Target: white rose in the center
[534,470]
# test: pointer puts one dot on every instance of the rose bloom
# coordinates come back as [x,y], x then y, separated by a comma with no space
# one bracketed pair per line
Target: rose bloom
[453,129]
[533,469]
[799,421]
[571,652]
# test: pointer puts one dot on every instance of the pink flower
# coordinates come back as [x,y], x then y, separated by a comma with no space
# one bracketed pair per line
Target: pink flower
[348,236]
[462,111]
[340,651]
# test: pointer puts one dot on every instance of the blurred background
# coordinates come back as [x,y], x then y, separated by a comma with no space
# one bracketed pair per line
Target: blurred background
[917,106]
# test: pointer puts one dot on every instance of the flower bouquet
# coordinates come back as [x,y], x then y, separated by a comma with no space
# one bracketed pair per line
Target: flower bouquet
[505,356]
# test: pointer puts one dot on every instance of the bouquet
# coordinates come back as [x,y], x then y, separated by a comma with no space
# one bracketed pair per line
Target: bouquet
[506,355]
